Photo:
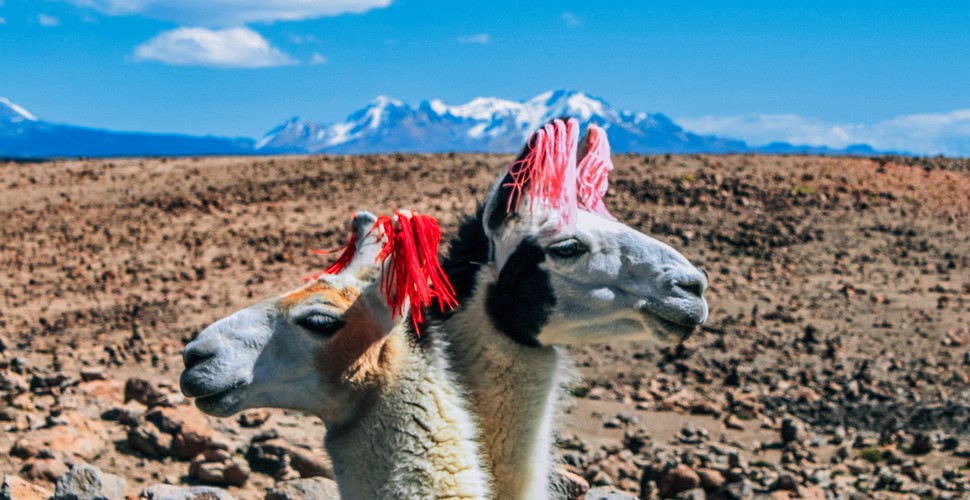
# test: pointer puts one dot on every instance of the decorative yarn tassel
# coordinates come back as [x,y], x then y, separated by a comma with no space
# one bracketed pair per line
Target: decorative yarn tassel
[594,171]
[548,169]
[414,273]
[348,250]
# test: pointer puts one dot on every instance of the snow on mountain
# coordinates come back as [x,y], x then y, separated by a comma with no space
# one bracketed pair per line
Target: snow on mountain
[486,124]
[12,113]
[385,125]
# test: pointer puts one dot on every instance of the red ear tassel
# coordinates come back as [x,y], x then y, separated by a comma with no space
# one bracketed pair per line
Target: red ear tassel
[594,171]
[549,169]
[414,272]
[348,250]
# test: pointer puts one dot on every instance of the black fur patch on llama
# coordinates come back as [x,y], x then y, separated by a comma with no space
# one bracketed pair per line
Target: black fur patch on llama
[520,300]
[467,253]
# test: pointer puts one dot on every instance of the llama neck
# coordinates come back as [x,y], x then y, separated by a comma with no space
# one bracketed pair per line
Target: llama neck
[515,392]
[416,439]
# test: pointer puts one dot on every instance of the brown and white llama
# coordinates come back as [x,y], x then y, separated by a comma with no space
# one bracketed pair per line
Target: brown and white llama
[541,265]
[345,348]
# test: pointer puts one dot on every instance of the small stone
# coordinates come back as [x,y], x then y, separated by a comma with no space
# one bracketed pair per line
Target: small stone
[94,373]
[144,392]
[608,493]
[677,479]
[922,444]
[127,414]
[254,418]
[738,490]
[573,486]
[24,448]
[711,479]
[170,492]
[275,456]
[785,482]
[791,430]
[733,422]
[14,488]
[87,482]
[48,469]
[226,473]
[149,440]
[298,489]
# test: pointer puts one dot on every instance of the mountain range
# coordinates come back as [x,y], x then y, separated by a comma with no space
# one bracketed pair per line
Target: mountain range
[385,125]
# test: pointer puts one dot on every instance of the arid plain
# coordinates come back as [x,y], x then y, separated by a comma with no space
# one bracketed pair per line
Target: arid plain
[835,360]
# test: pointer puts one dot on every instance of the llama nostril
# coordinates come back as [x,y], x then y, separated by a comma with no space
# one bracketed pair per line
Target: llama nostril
[196,357]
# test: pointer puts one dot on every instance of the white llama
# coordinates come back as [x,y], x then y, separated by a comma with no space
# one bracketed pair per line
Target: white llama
[397,427]
[534,270]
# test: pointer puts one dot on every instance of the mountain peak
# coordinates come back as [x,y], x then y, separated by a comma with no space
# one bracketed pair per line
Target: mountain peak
[14,113]
[383,101]
[488,124]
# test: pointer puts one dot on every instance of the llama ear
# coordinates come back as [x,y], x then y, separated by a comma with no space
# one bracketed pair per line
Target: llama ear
[359,254]
[543,173]
[594,169]
[367,242]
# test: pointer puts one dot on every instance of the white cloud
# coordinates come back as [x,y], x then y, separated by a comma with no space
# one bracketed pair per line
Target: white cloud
[570,19]
[222,13]
[480,38]
[927,134]
[3,20]
[228,48]
[45,20]
[317,59]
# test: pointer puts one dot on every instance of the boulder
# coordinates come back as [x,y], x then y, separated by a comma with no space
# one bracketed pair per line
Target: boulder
[608,494]
[15,488]
[677,479]
[87,482]
[319,488]
[47,468]
[144,392]
[149,440]
[230,472]
[170,492]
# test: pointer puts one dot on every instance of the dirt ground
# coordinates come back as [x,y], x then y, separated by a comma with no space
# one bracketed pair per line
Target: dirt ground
[835,360]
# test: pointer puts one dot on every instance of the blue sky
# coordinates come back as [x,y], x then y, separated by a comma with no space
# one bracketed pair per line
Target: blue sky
[820,71]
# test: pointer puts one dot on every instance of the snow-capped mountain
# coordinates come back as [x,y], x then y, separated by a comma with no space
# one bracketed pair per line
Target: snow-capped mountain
[484,124]
[23,135]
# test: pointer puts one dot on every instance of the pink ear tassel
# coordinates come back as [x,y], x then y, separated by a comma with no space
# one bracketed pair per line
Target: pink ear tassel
[594,171]
[549,169]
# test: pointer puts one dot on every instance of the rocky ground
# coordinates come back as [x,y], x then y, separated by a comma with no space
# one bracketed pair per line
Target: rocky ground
[835,362]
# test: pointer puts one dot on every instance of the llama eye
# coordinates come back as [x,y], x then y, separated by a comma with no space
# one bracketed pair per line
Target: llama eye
[323,325]
[567,249]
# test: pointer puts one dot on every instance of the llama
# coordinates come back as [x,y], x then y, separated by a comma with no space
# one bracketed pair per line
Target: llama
[535,270]
[345,349]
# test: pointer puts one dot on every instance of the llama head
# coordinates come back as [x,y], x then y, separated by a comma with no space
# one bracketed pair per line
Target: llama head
[566,272]
[270,354]
[326,348]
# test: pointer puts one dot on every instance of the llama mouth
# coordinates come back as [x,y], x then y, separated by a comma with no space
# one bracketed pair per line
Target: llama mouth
[676,330]
[220,404]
